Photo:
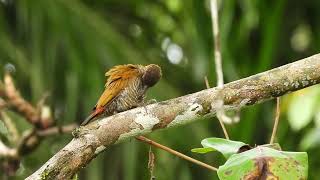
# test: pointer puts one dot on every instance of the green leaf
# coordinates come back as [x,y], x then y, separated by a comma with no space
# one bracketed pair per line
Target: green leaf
[202,150]
[302,108]
[265,162]
[224,146]
[310,139]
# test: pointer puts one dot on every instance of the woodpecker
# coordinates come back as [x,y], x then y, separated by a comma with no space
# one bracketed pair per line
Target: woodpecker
[125,89]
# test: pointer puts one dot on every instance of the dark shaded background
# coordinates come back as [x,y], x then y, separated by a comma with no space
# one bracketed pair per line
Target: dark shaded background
[65,46]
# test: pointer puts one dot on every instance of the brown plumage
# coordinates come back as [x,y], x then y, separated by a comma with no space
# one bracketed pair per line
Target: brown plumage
[125,88]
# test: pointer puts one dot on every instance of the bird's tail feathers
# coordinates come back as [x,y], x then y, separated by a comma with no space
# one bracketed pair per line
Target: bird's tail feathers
[94,114]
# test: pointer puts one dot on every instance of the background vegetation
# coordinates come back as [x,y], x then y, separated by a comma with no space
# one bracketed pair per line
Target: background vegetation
[64,47]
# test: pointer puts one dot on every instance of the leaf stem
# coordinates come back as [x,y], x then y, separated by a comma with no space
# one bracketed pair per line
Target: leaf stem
[176,153]
[276,121]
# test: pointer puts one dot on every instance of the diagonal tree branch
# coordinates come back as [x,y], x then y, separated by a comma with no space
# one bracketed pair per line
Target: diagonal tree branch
[90,140]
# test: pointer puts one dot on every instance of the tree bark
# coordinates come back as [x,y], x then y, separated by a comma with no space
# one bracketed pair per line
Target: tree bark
[92,139]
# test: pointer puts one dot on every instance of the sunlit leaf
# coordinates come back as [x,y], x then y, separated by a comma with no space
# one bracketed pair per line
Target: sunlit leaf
[265,163]
[224,146]
[310,139]
[202,150]
[302,108]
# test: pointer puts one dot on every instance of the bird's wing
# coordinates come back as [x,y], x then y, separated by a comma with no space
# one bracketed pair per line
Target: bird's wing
[118,80]
[111,92]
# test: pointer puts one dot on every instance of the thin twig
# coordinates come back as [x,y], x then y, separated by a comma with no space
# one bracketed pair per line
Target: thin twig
[176,153]
[276,121]
[218,62]
[218,115]
[18,102]
[57,130]
[217,52]
[28,142]
[225,132]
[32,114]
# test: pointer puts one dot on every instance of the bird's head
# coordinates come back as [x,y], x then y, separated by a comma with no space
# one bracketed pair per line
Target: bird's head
[151,75]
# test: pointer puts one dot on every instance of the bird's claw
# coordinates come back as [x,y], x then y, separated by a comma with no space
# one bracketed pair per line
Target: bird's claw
[151,101]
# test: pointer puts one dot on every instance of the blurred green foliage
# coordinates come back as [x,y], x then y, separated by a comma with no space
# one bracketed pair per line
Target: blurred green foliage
[64,48]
